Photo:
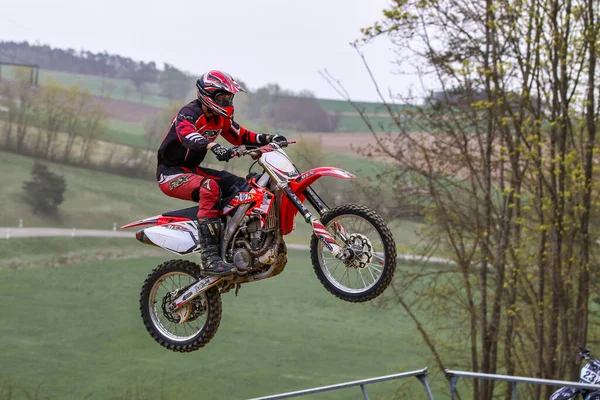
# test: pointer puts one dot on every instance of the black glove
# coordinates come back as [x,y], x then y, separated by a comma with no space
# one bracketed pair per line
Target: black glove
[276,138]
[222,153]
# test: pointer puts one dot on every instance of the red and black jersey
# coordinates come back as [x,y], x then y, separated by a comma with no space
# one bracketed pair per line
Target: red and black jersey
[191,131]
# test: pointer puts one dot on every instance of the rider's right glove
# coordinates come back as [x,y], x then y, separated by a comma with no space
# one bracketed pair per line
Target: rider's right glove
[222,153]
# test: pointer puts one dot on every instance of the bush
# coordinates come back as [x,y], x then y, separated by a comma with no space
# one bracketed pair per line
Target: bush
[45,192]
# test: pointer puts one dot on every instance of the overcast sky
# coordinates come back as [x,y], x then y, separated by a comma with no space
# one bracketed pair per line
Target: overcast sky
[259,41]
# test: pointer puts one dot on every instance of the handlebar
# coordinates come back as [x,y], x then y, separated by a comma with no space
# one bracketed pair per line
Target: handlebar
[255,153]
[586,354]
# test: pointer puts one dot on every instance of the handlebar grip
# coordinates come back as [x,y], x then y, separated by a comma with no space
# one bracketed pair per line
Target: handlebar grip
[584,352]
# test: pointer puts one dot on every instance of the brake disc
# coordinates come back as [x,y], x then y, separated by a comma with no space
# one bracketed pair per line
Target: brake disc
[362,251]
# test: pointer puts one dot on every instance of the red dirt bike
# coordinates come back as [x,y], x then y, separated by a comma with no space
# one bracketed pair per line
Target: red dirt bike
[352,249]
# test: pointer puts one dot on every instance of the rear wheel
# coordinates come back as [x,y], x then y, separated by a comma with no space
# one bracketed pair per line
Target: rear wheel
[202,315]
[366,236]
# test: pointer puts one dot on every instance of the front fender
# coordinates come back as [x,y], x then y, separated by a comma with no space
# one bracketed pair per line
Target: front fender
[309,177]
[298,185]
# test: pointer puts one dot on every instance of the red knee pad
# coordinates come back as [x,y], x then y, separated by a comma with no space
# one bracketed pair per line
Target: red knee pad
[210,194]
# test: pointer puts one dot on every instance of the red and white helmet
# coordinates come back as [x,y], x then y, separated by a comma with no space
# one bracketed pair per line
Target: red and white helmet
[216,90]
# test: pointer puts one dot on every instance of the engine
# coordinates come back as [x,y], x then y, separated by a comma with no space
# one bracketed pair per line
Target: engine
[253,247]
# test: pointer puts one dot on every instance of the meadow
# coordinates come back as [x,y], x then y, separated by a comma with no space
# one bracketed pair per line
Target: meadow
[73,331]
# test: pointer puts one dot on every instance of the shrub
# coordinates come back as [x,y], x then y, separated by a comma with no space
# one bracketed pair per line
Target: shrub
[45,192]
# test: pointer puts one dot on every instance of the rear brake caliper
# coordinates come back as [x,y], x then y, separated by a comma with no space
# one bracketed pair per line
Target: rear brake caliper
[169,312]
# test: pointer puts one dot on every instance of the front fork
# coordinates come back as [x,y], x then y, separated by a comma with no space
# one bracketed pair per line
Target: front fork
[320,231]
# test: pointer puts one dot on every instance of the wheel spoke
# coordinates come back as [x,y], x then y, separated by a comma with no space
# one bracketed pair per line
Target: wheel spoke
[336,267]
[348,278]
[174,331]
[345,274]
[376,267]
[380,257]
[162,284]
[371,272]
[371,232]
[366,245]
[362,278]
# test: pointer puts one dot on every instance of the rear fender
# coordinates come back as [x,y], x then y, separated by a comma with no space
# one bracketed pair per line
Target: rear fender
[156,220]
[180,237]
[298,185]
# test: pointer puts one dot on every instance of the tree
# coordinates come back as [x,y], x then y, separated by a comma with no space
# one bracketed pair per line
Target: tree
[26,105]
[94,121]
[285,109]
[506,174]
[8,102]
[302,113]
[174,84]
[155,129]
[142,74]
[54,101]
[127,91]
[79,102]
[45,192]
[143,91]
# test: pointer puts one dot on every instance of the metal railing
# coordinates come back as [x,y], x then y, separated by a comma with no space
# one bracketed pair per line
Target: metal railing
[453,377]
[420,374]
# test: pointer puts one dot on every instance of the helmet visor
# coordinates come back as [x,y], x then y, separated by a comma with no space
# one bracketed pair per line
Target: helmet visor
[224,98]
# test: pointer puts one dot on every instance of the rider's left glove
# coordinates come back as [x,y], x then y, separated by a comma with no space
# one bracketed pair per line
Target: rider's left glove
[276,138]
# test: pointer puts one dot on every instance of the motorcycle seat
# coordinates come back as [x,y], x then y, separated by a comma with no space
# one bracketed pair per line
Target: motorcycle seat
[190,213]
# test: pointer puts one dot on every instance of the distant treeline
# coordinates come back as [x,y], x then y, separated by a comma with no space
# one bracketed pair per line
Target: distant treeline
[269,105]
[173,83]
[71,60]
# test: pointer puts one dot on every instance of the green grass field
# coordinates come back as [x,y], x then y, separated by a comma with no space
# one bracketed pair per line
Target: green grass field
[96,200]
[355,123]
[128,127]
[74,332]
[128,134]
[92,200]
[343,106]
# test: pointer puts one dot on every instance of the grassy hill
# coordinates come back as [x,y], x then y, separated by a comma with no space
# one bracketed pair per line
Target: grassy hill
[92,200]
[342,106]
[96,200]
[74,332]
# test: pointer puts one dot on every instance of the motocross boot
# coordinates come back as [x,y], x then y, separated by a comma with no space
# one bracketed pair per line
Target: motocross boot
[209,231]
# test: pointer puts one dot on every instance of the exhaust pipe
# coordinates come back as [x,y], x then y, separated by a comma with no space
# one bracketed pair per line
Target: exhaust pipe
[141,236]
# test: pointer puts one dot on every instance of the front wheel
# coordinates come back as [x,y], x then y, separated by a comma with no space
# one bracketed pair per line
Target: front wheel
[200,318]
[371,266]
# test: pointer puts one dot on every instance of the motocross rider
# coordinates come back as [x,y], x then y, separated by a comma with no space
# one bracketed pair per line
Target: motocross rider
[192,133]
